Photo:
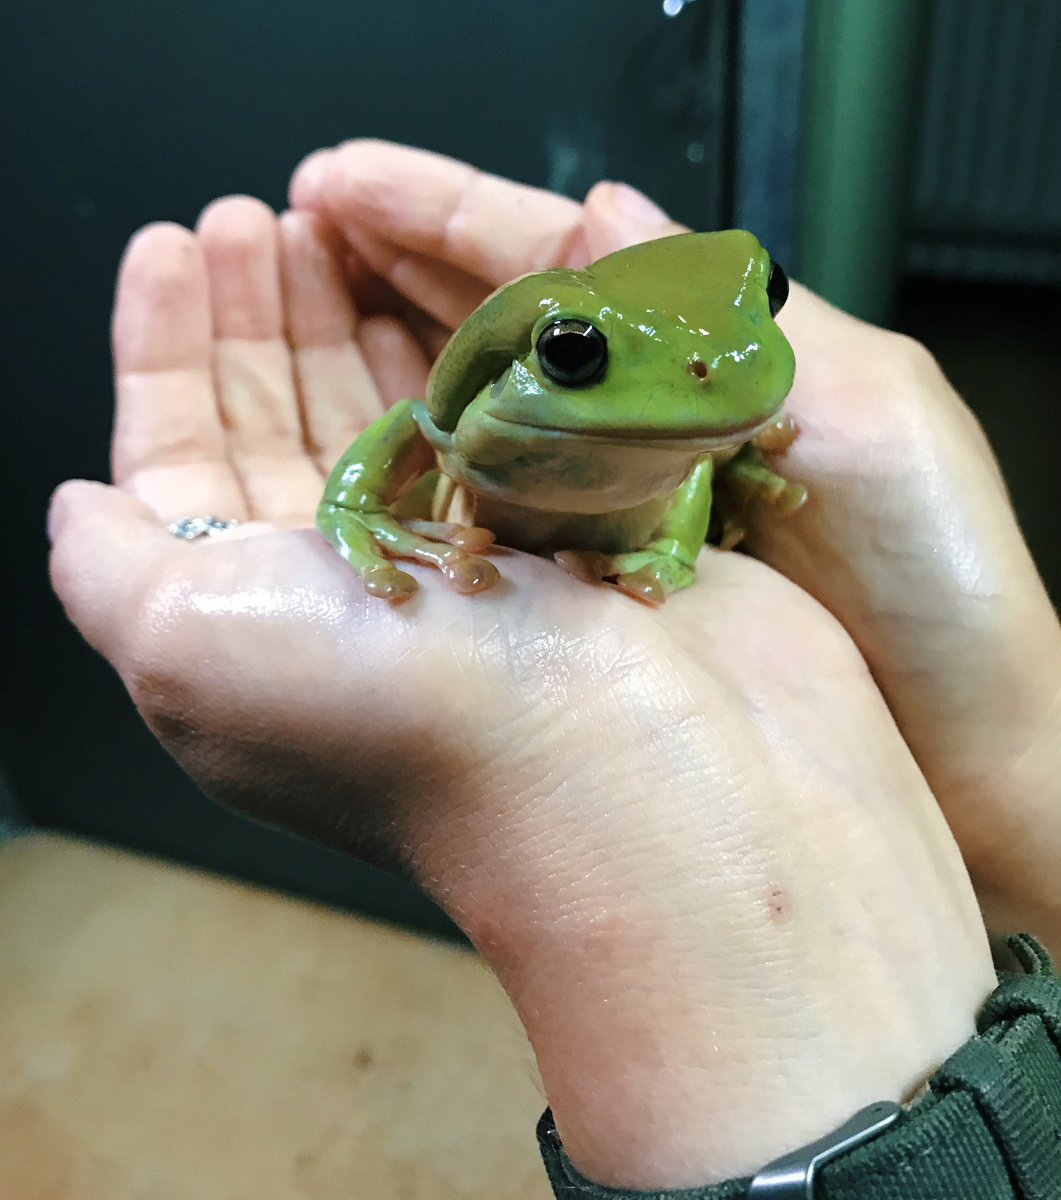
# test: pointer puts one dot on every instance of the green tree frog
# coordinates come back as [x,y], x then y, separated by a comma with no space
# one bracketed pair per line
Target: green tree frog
[589,415]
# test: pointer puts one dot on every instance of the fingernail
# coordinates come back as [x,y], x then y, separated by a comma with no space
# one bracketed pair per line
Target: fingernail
[636,206]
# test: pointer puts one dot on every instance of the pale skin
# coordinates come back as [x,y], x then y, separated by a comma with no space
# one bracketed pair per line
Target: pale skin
[705,849]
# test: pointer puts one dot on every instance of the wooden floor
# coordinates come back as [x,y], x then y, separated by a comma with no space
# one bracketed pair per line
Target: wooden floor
[165,1035]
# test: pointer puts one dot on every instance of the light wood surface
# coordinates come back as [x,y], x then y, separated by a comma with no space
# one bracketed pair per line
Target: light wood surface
[167,1035]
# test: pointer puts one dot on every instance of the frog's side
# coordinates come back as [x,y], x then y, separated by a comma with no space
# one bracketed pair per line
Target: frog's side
[589,415]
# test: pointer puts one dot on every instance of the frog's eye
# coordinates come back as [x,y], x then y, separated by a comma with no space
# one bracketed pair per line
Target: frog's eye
[573,353]
[777,288]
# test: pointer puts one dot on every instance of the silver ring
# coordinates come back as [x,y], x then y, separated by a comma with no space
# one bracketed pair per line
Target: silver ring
[191,528]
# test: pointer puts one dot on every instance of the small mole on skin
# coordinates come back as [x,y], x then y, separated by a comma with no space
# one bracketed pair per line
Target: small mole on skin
[779,905]
[364,1058]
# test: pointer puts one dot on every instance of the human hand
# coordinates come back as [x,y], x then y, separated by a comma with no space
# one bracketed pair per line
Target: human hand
[910,539]
[695,850]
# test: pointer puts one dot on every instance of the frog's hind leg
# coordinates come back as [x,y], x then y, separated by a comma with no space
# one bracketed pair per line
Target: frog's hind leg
[418,509]
[649,575]
[415,503]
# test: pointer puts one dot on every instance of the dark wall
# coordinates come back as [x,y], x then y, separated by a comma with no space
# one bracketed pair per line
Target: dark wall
[119,114]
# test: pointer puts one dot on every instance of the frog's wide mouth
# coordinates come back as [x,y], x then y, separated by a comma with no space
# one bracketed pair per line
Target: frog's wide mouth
[714,438]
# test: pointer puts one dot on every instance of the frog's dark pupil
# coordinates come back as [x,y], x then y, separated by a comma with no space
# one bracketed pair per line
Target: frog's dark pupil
[573,353]
[777,288]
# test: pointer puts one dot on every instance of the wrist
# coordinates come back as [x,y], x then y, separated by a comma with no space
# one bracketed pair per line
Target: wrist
[688,1034]
[674,1083]
[1013,861]
[722,946]
[984,1122]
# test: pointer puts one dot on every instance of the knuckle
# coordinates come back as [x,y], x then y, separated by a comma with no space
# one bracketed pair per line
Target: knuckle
[913,362]
[899,381]
[920,395]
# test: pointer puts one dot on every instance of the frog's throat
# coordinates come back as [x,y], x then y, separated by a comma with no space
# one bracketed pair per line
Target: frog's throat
[446,443]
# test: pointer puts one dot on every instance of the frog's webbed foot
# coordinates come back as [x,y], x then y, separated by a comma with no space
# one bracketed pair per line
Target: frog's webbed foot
[369,541]
[649,575]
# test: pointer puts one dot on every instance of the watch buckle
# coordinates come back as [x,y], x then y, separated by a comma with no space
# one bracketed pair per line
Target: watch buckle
[792,1176]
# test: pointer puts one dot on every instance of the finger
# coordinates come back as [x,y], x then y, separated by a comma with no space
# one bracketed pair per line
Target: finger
[431,205]
[337,393]
[617,215]
[253,369]
[106,546]
[395,359]
[443,292]
[169,444]
[368,293]
[431,336]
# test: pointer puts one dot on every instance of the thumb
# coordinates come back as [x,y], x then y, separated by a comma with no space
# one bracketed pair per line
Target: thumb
[106,546]
[616,215]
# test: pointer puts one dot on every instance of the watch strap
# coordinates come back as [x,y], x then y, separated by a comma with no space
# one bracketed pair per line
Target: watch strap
[988,1127]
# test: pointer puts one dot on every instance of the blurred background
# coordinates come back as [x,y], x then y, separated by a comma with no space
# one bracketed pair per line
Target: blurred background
[902,157]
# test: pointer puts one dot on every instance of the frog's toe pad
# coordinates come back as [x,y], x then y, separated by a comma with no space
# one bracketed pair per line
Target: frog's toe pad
[778,437]
[789,499]
[388,583]
[467,574]
[472,538]
[587,565]
[644,585]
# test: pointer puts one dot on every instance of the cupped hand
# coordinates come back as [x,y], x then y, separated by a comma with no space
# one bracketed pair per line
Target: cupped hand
[692,844]
[909,538]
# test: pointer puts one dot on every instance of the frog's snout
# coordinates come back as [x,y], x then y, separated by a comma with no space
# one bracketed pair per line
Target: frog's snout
[699,370]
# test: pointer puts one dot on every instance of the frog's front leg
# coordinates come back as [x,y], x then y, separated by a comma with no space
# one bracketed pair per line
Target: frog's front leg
[668,562]
[355,514]
[748,478]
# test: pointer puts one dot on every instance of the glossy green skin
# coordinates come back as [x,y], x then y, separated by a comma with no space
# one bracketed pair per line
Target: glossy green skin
[623,469]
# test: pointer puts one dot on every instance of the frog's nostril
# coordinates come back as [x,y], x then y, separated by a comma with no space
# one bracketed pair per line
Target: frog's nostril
[698,369]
